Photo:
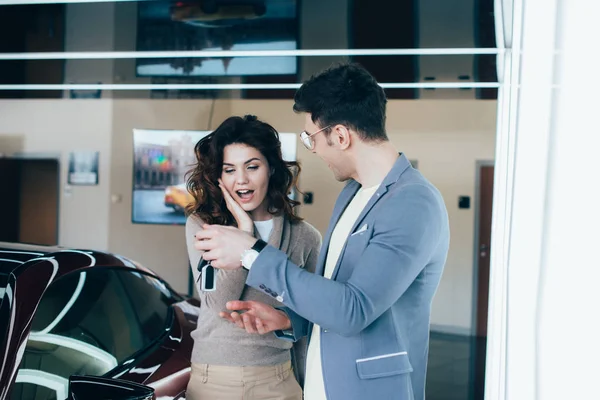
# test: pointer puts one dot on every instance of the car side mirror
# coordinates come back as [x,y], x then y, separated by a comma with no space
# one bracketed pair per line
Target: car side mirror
[100,388]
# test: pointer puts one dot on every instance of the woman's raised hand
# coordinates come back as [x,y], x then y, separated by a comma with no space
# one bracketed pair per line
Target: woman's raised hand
[244,222]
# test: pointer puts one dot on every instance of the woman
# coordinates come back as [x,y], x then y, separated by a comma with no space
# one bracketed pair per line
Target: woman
[241,179]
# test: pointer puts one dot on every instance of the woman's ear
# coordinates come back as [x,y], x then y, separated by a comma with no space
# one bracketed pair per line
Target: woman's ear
[272,171]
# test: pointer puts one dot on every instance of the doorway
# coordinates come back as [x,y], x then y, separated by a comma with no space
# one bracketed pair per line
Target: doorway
[29,200]
[483,231]
[484,192]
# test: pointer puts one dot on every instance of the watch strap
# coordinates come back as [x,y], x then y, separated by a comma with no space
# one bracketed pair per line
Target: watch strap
[259,245]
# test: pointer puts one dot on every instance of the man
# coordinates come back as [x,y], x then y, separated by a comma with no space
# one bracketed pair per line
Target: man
[366,309]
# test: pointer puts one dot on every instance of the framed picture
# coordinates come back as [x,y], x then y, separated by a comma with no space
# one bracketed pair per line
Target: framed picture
[83,168]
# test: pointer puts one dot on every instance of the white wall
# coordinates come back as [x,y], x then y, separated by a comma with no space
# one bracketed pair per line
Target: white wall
[159,247]
[447,138]
[58,127]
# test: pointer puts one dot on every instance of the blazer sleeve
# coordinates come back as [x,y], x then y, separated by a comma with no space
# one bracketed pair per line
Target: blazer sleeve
[406,233]
[299,324]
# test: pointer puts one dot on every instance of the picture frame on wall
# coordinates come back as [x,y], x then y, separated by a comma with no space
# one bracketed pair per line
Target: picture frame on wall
[83,168]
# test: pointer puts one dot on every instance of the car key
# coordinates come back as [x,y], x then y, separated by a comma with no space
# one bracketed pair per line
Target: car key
[208,276]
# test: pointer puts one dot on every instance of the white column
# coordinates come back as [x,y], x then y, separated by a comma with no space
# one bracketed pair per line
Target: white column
[532,129]
[568,326]
[544,304]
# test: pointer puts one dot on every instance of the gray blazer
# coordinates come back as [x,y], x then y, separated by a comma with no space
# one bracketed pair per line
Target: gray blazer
[374,312]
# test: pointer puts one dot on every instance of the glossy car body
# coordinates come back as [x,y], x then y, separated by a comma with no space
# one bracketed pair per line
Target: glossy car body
[70,312]
[177,197]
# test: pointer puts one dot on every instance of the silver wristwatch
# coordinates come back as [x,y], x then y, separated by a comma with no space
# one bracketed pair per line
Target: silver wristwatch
[250,255]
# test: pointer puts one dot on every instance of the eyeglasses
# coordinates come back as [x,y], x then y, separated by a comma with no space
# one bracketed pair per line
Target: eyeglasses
[307,139]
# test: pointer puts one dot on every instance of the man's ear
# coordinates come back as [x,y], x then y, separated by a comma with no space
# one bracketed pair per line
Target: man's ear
[341,136]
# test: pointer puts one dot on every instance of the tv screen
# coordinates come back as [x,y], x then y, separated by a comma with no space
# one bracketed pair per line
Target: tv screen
[222,25]
[161,160]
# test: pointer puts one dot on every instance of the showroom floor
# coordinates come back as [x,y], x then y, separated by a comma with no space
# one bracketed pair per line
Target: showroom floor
[456,367]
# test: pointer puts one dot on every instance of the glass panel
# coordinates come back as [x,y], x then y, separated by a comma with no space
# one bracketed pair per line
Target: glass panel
[183,26]
[255,25]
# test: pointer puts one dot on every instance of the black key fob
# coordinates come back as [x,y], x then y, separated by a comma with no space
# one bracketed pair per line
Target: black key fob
[208,275]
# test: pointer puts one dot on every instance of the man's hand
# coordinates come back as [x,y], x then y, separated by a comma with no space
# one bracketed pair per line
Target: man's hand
[223,245]
[257,317]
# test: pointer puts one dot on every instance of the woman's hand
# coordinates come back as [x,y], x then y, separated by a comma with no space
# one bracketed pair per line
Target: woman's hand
[244,222]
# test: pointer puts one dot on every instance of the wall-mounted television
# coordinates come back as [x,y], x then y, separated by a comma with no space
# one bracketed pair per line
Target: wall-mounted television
[213,26]
[161,158]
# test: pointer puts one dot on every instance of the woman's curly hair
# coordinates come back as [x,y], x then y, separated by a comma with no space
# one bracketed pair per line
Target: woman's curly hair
[202,180]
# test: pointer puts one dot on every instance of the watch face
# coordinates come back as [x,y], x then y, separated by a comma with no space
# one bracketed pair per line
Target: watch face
[249,257]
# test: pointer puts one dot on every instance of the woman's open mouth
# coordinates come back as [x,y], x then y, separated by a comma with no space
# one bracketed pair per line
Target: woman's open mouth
[245,195]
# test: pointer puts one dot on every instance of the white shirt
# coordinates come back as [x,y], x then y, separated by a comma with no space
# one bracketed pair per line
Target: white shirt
[314,387]
[264,228]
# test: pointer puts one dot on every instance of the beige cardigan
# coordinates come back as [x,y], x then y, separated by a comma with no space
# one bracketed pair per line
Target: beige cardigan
[219,342]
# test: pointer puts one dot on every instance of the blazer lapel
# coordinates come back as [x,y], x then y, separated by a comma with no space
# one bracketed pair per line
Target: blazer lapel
[344,199]
[392,177]
[372,201]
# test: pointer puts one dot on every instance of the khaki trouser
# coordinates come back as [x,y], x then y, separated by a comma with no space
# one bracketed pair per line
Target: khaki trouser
[216,382]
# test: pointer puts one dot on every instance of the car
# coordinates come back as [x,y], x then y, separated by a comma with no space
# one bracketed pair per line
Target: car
[68,315]
[177,197]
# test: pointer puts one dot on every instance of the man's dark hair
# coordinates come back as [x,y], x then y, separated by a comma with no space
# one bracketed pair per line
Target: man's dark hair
[345,94]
